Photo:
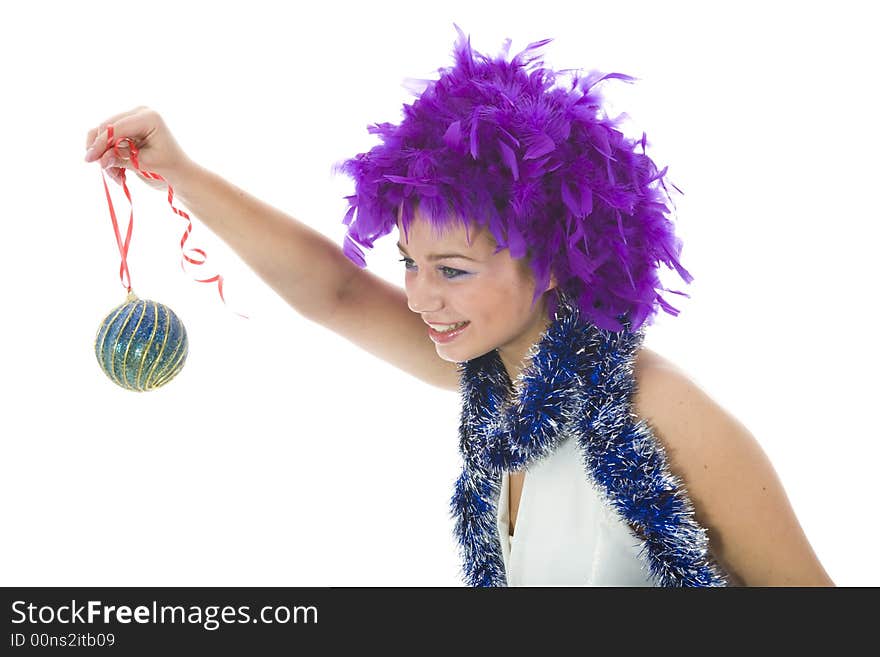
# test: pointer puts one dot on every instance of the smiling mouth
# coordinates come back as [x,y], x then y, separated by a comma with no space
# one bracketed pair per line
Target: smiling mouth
[443,337]
[446,328]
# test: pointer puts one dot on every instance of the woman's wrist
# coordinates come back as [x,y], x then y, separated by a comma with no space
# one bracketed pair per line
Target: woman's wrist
[183,178]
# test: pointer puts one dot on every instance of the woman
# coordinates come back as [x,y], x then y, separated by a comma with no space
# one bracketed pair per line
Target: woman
[530,230]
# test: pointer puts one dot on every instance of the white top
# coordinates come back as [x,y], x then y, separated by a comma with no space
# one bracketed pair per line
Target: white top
[565,534]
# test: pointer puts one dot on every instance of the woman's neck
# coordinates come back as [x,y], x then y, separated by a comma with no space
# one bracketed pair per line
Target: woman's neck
[515,354]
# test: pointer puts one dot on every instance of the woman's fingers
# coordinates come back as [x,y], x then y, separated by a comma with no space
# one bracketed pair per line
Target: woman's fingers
[141,130]
[102,127]
[113,159]
[114,171]
[124,124]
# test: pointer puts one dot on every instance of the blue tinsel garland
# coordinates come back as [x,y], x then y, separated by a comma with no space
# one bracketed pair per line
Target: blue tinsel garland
[579,381]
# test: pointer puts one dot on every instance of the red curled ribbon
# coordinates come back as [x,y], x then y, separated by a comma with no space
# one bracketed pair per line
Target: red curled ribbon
[123,248]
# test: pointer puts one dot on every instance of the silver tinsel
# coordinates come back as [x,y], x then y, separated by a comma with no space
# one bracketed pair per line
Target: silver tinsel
[578,381]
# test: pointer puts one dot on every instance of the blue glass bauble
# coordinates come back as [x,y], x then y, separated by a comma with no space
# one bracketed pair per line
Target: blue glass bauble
[141,345]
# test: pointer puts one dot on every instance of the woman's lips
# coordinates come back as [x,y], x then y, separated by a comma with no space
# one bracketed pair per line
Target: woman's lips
[448,336]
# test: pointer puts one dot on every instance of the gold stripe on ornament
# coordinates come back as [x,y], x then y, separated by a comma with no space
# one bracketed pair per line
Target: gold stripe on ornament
[130,340]
[176,359]
[174,372]
[113,350]
[100,348]
[176,367]
[149,383]
[149,345]
[168,362]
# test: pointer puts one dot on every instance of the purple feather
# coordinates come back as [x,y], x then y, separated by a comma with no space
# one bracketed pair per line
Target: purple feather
[509,158]
[540,164]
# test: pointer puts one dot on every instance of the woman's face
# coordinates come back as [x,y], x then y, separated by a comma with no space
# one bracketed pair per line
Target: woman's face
[470,283]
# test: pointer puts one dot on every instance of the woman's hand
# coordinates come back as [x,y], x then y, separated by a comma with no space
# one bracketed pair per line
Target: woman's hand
[158,151]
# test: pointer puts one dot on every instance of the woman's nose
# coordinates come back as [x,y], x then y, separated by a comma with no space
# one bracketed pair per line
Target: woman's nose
[422,296]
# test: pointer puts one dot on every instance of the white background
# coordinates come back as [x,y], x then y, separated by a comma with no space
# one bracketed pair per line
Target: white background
[284,455]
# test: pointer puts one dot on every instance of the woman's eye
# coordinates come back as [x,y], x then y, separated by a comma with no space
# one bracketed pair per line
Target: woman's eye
[448,272]
[453,273]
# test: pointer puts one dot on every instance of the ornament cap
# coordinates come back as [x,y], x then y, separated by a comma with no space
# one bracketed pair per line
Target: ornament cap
[131,296]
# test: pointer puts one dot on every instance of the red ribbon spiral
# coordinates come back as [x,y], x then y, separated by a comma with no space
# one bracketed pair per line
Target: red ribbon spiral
[124,275]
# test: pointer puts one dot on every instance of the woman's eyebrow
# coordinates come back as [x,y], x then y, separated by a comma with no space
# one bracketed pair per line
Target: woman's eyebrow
[439,256]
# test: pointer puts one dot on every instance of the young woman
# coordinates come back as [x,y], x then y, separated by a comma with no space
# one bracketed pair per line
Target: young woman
[531,232]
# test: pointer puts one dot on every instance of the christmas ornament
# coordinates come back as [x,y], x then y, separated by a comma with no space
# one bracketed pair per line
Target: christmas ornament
[141,345]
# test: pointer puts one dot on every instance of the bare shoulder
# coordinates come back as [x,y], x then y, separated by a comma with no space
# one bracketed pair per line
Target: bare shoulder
[649,361]
[737,495]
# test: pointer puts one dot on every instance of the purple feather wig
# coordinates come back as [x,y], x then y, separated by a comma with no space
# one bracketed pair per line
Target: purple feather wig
[495,143]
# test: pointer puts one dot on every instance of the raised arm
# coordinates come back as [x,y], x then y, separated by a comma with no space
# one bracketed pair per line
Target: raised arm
[313,275]
[304,267]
